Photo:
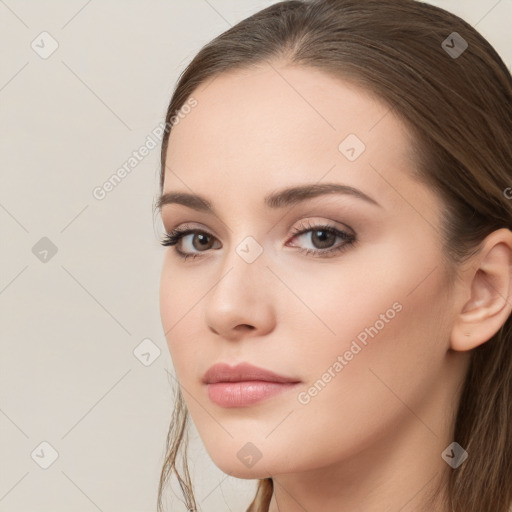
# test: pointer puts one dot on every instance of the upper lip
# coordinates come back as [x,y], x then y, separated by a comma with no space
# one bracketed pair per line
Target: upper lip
[222,372]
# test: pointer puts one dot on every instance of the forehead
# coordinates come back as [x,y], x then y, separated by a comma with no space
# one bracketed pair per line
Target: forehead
[267,126]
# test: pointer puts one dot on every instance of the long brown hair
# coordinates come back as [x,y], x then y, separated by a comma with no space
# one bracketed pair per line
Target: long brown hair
[457,104]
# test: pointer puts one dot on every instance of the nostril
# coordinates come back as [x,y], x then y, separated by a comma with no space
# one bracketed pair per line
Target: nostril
[243,327]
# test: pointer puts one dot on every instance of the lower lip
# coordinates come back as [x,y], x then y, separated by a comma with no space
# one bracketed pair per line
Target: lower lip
[242,394]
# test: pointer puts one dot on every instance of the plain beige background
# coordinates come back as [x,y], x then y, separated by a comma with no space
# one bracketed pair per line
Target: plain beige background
[75,381]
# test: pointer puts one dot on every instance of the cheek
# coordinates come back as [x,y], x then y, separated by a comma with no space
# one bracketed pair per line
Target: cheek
[168,289]
[384,314]
[181,290]
[177,300]
[389,351]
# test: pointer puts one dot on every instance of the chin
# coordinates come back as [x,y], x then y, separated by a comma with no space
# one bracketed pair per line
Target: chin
[232,466]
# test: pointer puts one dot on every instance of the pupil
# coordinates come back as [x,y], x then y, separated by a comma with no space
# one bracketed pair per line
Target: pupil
[203,239]
[324,236]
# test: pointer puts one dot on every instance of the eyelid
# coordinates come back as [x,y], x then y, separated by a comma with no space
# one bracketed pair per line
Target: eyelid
[308,223]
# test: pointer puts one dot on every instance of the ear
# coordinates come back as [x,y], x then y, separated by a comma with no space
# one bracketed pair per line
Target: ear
[487,281]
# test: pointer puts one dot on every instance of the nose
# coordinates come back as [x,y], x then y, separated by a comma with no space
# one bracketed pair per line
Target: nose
[240,304]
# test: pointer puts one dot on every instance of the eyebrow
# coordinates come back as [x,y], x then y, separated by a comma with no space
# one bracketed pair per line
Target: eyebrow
[280,199]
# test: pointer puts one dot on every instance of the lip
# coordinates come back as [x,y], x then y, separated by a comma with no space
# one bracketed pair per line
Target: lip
[244,384]
[222,372]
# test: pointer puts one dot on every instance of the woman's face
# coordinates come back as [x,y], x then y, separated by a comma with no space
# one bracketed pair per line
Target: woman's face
[361,322]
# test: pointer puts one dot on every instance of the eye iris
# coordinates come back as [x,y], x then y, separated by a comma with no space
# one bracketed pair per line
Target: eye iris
[203,238]
[326,234]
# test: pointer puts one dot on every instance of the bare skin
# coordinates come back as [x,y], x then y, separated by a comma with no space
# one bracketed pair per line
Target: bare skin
[371,438]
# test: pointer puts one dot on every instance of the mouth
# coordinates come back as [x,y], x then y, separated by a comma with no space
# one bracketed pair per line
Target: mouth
[244,384]
[245,393]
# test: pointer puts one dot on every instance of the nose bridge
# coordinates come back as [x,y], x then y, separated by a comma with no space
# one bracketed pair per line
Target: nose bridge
[244,267]
[241,295]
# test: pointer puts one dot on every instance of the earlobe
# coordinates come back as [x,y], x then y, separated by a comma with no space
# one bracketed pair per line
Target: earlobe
[489,286]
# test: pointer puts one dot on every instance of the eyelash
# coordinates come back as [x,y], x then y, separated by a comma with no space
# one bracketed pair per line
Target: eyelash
[172,239]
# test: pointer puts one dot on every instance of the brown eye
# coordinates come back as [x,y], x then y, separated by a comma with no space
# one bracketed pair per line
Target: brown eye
[201,241]
[204,241]
[322,239]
